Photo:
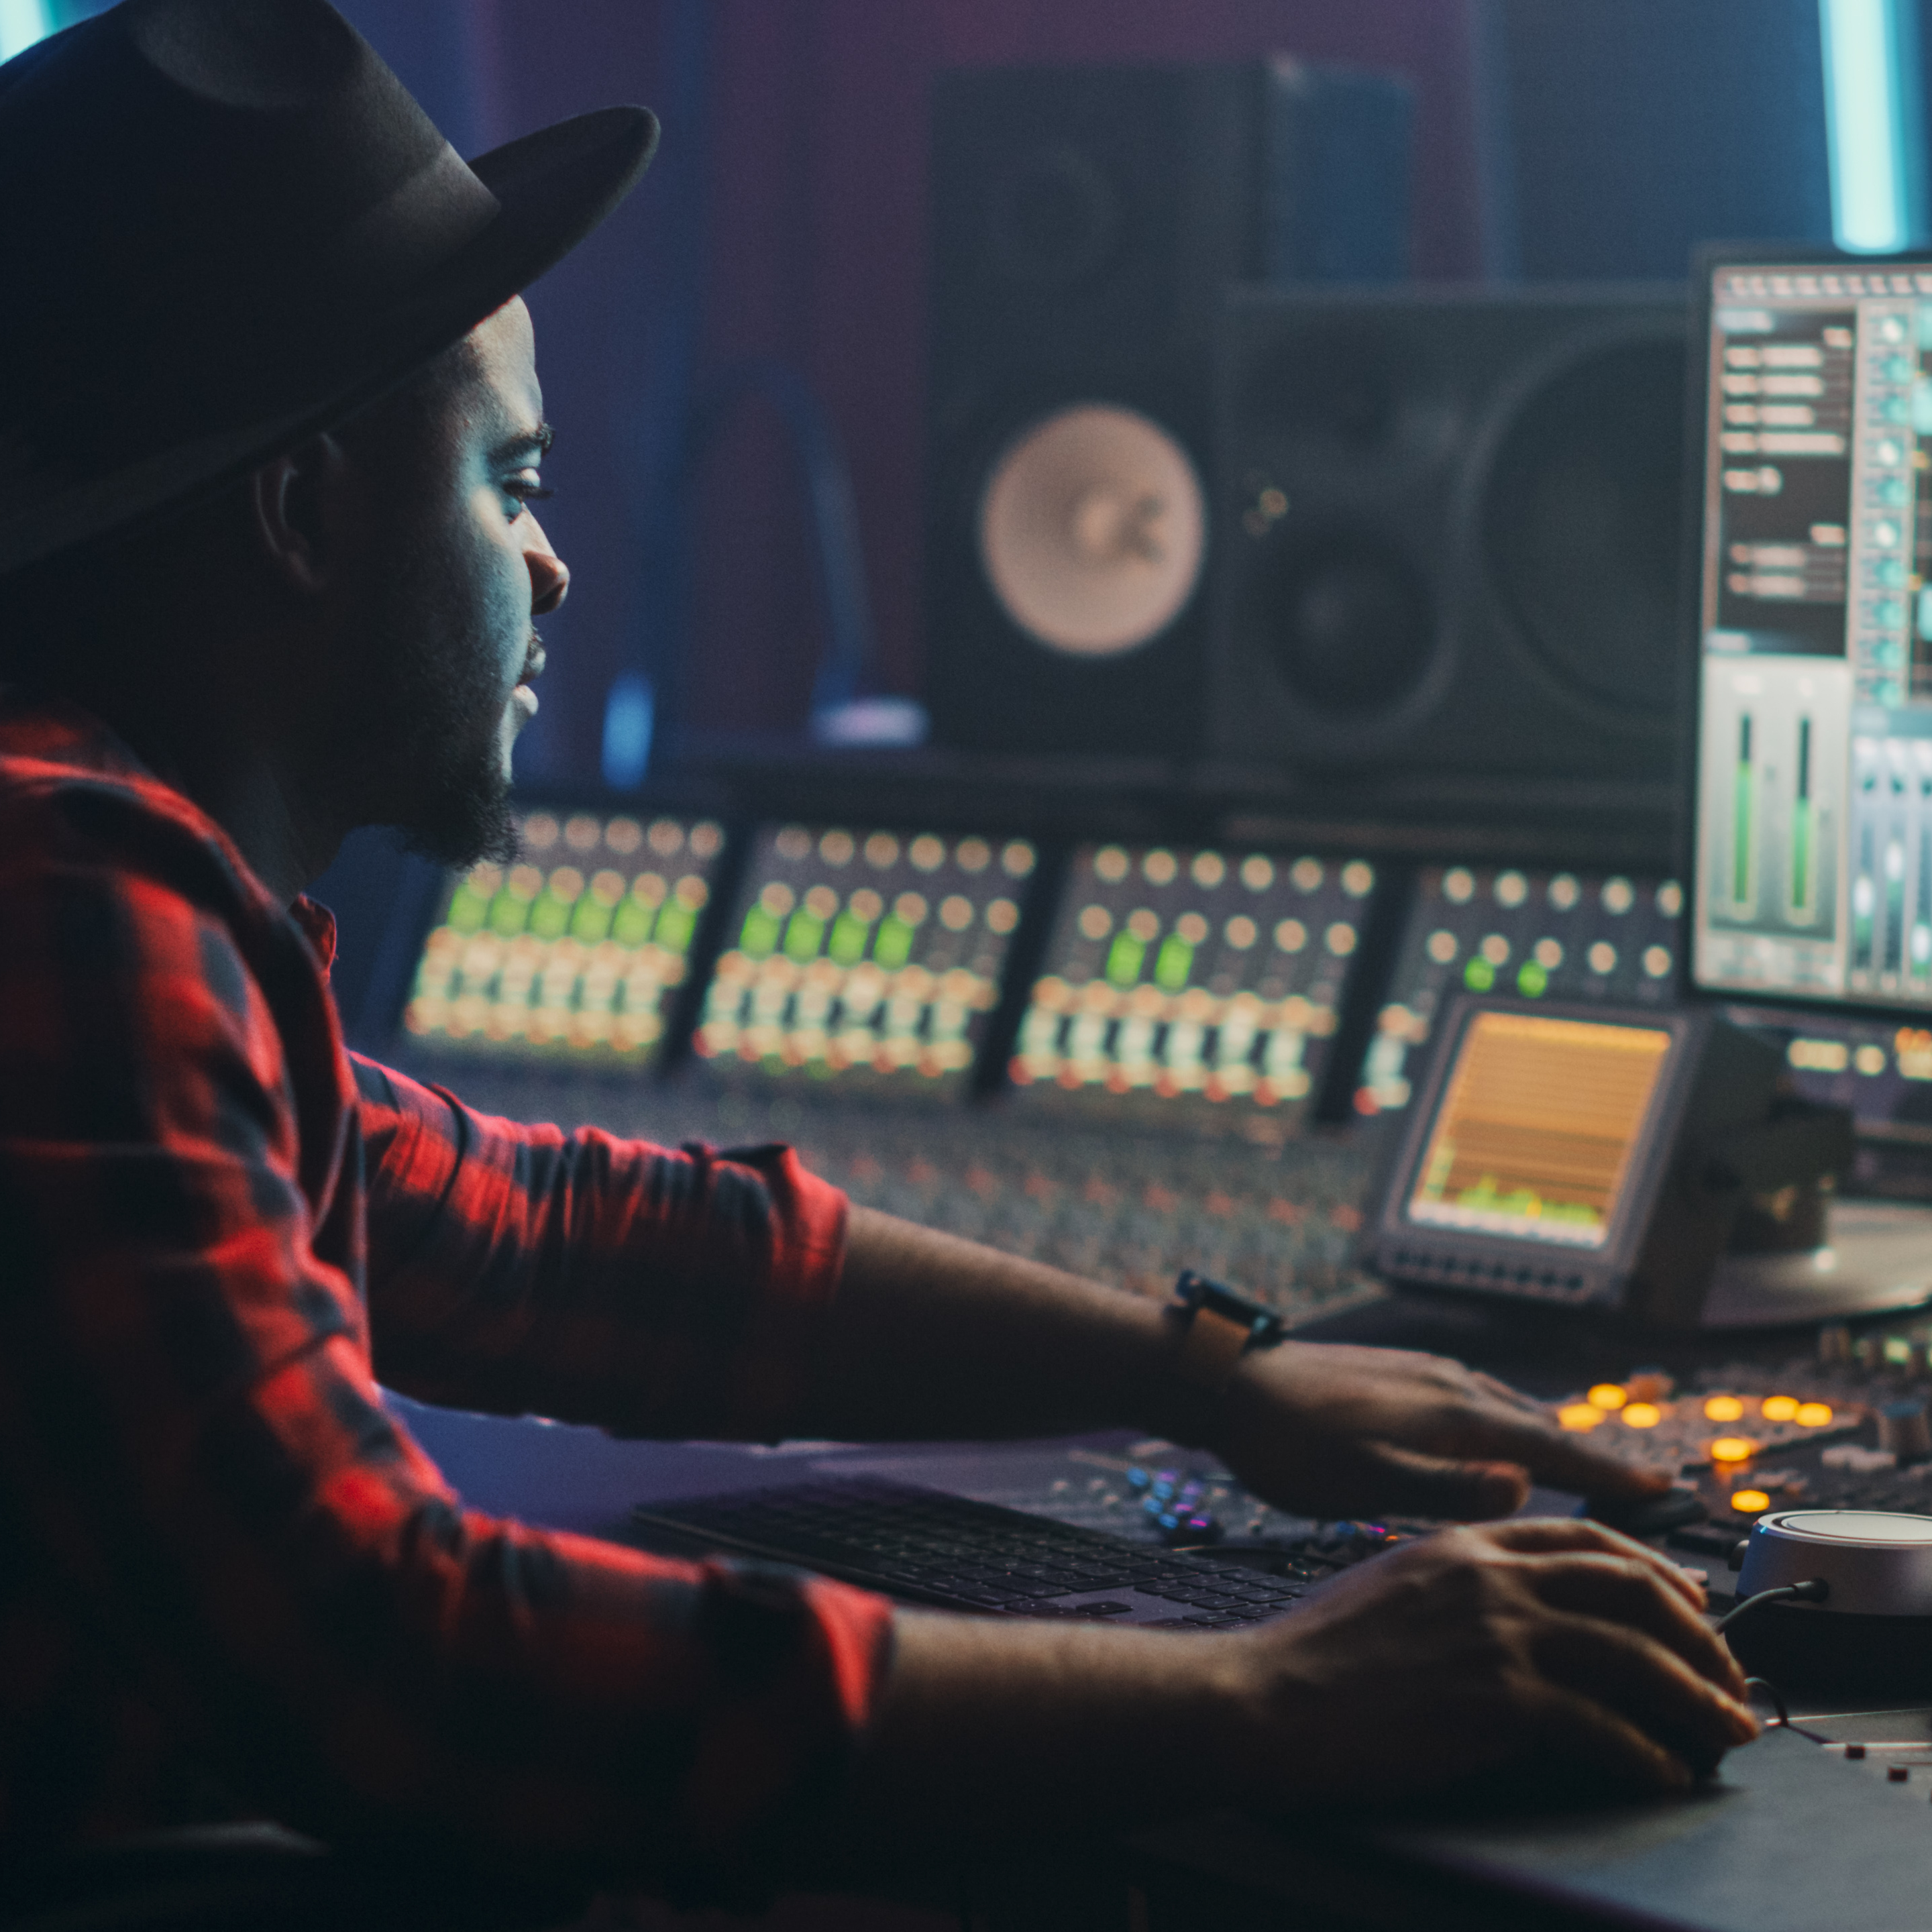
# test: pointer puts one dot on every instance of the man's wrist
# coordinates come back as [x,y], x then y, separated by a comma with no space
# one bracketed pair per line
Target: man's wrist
[1213,1332]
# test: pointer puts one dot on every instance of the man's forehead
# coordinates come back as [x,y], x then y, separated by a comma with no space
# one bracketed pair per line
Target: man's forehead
[505,347]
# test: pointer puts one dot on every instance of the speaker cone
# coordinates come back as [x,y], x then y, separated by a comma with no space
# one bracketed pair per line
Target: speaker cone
[1092,530]
[1581,521]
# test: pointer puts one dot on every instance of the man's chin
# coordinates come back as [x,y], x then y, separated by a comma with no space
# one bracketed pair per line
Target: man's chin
[465,822]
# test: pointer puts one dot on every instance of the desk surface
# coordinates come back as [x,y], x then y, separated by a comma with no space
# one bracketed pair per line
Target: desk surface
[1790,1836]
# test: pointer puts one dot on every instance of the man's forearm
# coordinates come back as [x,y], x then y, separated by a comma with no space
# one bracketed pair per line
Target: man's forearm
[932,1337]
[993,1731]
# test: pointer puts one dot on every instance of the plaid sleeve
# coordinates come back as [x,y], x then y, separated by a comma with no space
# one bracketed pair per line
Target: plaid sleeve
[522,1270]
[241,1553]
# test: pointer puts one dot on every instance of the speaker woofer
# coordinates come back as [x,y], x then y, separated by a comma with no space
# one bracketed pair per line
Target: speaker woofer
[1092,530]
[1511,461]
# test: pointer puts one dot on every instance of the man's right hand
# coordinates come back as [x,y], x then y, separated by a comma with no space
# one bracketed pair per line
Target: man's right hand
[1478,1648]
[1557,1644]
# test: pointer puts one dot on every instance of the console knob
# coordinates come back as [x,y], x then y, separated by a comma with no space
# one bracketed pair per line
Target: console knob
[1877,1562]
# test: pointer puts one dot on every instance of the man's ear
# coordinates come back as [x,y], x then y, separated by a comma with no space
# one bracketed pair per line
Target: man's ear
[297,504]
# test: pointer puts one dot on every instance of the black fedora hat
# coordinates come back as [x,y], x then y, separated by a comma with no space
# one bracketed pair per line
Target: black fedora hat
[226,225]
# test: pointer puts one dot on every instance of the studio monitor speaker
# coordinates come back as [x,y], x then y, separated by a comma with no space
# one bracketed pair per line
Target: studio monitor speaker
[1451,536]
[1087,222]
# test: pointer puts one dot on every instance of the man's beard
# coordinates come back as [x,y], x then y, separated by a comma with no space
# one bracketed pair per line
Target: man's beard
[435,758]
[459,811]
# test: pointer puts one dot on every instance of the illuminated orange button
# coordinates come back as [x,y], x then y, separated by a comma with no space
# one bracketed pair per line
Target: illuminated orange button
[1724,1409]
[1608,1395]
[1780,1408]
[1750,1502]
[1814,1415]
[1642,1415]
[1733,1449]
[1580,1415]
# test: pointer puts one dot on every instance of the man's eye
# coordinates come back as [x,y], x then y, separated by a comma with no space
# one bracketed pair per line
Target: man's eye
[526,487]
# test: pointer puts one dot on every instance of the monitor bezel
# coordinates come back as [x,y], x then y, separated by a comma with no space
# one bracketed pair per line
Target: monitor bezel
[1706,260]
[1605,1270]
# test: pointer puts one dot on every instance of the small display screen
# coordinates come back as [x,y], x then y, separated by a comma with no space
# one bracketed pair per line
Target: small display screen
[1539,1121]
[1202,979]
[861,957]
[571,952]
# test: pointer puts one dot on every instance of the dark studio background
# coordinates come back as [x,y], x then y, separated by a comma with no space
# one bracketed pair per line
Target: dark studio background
[786,218]
[1556,139]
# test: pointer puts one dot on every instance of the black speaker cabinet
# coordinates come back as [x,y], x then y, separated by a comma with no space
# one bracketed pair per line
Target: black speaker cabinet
[1087,222]
[1450,536]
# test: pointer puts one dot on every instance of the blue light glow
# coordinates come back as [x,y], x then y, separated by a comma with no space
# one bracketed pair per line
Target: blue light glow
[630,715]
[1873,126]
[22,23]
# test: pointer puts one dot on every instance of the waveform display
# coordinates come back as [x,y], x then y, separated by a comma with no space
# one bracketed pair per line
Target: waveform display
[1539,1117]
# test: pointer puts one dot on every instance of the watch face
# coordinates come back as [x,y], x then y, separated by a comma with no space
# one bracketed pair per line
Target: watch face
[1198,1295]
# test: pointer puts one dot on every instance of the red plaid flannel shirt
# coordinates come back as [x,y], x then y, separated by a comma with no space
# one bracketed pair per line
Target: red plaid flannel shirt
[223,1567]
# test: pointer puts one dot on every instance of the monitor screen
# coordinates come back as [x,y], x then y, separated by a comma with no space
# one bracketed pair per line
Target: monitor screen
[858,957]
[1814,777]
[1181,981]
[570,954]
[1539,1121]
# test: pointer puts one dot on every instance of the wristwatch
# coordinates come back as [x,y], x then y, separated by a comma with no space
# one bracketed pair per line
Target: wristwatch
[1217,1328]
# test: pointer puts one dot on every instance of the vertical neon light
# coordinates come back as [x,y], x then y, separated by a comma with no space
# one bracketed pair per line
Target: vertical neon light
[22,23]
[1874,129]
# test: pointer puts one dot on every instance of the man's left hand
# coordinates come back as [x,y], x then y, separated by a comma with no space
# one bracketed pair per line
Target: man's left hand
[1330,1430]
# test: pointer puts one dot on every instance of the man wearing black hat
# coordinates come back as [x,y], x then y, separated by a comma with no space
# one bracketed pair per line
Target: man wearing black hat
[268,448]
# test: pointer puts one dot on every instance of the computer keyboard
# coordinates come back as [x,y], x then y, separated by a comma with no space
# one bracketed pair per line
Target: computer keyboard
[933,1548]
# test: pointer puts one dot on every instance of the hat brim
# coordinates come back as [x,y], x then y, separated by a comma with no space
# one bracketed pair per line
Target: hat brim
[553,187]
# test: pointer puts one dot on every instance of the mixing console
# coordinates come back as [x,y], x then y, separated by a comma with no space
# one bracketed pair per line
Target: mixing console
[1725,1424]
[570,954]
[1183,984]
[1278,1222]
[1562,936]
[1878,1068]
[867,959]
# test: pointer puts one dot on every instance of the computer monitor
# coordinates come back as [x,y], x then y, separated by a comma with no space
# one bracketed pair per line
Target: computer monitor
[1812,870]
[1814,864]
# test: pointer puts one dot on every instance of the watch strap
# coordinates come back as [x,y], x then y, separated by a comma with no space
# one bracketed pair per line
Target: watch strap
[1219,1327]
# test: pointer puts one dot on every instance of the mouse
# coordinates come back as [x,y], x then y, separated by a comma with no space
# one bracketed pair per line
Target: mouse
[1647,1515]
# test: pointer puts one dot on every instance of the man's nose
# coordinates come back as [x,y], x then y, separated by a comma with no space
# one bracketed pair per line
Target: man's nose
[549,577]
